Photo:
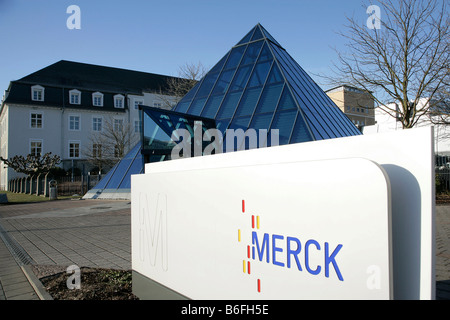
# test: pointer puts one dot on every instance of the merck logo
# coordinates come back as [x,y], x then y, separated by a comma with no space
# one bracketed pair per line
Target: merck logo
[288,252]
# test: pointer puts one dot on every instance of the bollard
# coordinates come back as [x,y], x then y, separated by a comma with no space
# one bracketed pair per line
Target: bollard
[53,186]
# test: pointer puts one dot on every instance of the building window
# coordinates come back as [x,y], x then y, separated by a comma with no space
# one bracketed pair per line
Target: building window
[119,101]
[97,99]
[138,102]
[137,126]
[36,120]
[118,125]
[96,150]
[157,104]
[74,123]
[75,97]
[36,148]
[74,149]
[97,124]
[37,93]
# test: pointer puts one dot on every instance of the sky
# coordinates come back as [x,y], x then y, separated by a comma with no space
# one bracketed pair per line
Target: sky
[161,36]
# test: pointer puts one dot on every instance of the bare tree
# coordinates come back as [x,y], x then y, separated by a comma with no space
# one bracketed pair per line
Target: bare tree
[440,105]
[112,143]
[188,75]
[98,152]
[121,136]
[404,60]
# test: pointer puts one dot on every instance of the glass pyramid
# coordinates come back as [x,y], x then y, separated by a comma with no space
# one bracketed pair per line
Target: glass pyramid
[256,85]
[116,184]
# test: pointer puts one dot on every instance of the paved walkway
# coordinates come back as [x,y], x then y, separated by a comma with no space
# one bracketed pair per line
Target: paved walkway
[91,233]
[443,252]
[96,233]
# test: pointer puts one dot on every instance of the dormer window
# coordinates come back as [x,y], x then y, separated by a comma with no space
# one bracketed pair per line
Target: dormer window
[75,96]
[37,93]
[97,99]
[119,101]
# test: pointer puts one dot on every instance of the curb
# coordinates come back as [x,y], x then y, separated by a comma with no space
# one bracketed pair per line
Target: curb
[35,283]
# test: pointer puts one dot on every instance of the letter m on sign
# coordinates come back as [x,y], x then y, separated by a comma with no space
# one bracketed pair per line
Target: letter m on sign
[153,230]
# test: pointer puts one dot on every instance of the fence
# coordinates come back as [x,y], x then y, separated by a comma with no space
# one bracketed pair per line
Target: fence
[442,180]
[67,186]
[35,184]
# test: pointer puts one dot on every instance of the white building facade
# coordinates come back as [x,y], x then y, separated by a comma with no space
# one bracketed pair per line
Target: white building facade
[60,108]
[386,123]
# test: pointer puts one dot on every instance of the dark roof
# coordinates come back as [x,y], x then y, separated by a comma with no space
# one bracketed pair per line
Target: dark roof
[348,87]
[88,76]
[20,93]
[61,77]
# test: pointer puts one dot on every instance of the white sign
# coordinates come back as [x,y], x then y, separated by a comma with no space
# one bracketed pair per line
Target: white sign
[265,231]
[290,222]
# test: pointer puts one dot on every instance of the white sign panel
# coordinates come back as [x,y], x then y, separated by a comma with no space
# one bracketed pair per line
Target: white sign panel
[407,157]
[300,230]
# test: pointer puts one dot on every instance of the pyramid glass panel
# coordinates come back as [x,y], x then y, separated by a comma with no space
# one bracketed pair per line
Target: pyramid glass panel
[258,34]
[219,64]
[197,106]
[122,168]
[247,37]
[223,82]
[286,101]
[275,75]
[212,106]
[190,95]
[261,121]
[136,166]
[105,179]
[256,85]
[300,132]
[265,53]
[248,101]
[259,74]
[241,78]
[240,123]
[252,53]
[183,106]
[235,57]
[269,98]
[229,105]
[207,84]
[284,122]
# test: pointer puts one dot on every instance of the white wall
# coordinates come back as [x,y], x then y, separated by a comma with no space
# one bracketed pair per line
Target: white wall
[387,123]
[18,134]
